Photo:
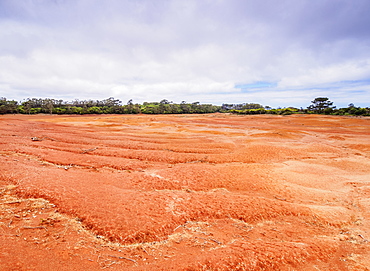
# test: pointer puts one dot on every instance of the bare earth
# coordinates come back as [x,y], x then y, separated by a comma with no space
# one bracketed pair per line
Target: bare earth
[184,192]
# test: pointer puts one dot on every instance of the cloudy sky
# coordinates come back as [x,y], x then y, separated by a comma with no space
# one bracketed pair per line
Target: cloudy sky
[277,53]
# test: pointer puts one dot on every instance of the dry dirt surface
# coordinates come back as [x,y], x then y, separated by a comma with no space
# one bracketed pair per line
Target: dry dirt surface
[184,192]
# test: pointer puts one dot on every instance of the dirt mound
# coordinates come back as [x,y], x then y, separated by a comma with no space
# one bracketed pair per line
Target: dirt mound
[187,192]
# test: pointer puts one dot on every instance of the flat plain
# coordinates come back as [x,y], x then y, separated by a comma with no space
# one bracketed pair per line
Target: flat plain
[184,192]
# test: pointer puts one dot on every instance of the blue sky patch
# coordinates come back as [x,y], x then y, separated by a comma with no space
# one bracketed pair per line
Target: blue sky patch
[256,85]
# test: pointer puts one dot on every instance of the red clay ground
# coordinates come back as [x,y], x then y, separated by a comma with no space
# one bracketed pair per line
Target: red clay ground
[186,192]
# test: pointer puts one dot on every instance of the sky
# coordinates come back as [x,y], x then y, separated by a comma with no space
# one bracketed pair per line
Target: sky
[276,53]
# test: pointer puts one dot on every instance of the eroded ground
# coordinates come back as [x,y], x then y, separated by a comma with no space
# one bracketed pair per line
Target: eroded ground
[184,192]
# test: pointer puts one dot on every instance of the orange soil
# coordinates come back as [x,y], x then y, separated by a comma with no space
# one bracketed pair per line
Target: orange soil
[184,192]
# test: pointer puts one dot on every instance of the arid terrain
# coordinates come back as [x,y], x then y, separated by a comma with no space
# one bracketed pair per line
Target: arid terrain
[184,192]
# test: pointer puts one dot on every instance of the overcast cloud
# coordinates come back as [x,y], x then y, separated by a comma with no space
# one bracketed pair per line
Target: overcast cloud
[277,53]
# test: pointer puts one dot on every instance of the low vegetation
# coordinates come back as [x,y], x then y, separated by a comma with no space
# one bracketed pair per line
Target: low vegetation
[320,105]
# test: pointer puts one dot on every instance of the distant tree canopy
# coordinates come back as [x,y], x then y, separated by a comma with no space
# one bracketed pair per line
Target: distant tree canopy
[320,105]
[241,106]
[107,106]
[167,107]
[8,107]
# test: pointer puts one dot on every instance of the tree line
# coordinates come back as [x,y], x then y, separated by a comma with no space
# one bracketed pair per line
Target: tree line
[107,106]
[320,105]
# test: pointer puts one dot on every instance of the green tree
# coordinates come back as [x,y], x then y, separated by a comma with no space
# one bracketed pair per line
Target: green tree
[321,104]
[27,106]
[8,107]
[185,107]
[351,105]
[49,105]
